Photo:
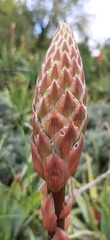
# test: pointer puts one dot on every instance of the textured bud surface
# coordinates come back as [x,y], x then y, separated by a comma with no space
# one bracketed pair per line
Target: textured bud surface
[59,111]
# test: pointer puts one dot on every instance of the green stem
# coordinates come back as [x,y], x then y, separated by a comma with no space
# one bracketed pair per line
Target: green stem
[58,198]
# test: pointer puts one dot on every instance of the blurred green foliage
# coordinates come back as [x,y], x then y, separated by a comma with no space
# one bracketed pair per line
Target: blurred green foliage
[21,54]
[19,211]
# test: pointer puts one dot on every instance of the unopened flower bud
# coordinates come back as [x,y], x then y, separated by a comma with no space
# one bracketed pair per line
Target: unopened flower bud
[59,111]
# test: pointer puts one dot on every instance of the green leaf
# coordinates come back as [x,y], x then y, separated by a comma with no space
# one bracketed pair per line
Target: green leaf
[83,206]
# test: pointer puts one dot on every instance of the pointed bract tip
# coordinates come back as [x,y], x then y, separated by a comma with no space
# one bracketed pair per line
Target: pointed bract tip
[60,235]
[48,213]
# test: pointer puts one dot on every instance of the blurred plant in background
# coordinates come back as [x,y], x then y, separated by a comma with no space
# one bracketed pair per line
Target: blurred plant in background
[20,217]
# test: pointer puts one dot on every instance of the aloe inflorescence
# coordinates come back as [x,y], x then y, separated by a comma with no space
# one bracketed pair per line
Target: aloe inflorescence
[59,123]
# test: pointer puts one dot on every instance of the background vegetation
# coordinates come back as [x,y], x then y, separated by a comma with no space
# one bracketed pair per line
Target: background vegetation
[25,34]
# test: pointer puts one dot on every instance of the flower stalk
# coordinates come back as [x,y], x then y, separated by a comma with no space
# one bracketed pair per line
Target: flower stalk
[59,123]
[58,198]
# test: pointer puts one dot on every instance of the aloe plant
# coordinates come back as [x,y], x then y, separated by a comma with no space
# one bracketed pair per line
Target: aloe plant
[59,123]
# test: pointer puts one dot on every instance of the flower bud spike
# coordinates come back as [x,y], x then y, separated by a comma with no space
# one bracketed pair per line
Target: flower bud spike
[59,123]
